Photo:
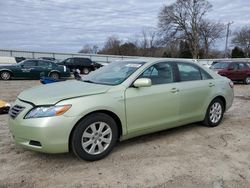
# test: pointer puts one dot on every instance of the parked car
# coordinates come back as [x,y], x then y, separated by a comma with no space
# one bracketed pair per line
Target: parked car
[236,71]
[117,102]
[85,65]
[33,69]
[48,58]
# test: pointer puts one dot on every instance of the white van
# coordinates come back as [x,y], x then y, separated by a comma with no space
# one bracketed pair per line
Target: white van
[7,60]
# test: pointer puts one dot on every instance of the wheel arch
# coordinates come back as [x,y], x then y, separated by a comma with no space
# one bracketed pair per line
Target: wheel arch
[55,71]
[223,100]
[108,112]
[7,70]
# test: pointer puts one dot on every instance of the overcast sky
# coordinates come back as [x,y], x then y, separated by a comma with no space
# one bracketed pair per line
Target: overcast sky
[66,25]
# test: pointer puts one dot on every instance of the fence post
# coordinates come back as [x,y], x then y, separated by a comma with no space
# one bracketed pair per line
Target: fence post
[107,59]
[11,53]
[33,55]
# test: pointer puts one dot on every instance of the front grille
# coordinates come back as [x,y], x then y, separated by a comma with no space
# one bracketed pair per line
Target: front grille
[15,110]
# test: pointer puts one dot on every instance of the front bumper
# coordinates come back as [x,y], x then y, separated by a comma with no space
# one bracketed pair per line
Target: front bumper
[52,133]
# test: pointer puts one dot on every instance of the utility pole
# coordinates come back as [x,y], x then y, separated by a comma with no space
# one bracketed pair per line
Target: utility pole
[228,29]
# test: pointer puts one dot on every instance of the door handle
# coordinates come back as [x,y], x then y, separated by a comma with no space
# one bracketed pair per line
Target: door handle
[174,90]
[211,84]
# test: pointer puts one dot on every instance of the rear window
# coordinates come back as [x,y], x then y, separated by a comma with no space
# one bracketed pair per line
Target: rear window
[221,65]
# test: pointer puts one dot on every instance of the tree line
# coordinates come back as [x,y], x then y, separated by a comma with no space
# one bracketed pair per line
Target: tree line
[183,31]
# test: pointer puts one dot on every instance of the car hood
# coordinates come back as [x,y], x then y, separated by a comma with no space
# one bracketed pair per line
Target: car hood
[55,92]
[7,66]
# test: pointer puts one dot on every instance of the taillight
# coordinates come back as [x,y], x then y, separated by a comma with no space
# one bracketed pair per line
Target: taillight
[231,84]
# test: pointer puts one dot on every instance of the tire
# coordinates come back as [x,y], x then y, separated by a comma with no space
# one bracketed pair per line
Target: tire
[54,75]
[5,75]
[94,137]
[215,112]
[85,70]
[247,80]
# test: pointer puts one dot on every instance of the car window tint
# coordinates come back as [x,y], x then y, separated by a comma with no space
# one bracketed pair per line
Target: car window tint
[235,66]
[221,65]
[205,75]
[69,61]
[85,60]
[44,64]
[29,63]
[160,73]
[189,72]
[241,66]
[152,71]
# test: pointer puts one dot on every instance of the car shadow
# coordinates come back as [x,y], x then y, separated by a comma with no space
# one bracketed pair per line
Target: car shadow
[152,137]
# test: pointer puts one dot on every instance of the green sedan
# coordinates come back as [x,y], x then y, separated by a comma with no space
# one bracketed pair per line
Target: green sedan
[33,69]
[117,102]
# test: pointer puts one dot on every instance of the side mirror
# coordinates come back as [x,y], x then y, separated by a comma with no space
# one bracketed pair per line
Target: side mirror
[142,82]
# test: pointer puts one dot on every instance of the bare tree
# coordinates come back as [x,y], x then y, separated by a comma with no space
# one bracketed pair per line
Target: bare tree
[182,20]
[210,32]
[147,42]
[242,39]
[112,46]
[89,49]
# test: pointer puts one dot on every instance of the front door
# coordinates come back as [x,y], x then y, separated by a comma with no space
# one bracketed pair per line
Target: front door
[27,69]
[156,107]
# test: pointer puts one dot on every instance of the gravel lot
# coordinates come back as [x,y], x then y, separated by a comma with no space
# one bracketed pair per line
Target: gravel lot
[190,156]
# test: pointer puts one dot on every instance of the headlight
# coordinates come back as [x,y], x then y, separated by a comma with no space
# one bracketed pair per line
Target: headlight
[47,111]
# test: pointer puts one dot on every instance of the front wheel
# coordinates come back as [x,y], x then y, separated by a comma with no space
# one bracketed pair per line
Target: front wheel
[214,113]
[247,80]
[94,137]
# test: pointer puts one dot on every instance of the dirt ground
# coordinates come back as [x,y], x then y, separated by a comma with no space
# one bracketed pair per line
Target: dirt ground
[191,156]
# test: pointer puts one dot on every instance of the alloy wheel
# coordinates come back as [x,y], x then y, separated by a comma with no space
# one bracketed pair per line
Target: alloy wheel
[96,138]
[215,113]
[248,80]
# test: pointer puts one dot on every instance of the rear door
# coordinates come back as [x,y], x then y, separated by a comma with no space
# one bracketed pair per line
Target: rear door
[233,72]
[43,68]
[196,87]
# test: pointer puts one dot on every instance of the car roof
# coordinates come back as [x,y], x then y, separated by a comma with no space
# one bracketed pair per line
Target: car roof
[155,60]
[45,60]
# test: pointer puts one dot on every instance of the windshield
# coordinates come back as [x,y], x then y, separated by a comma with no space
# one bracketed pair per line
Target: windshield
[221,65]
[114,73]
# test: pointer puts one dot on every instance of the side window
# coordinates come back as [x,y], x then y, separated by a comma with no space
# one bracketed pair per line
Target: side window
[241,66]
[189,72]
[44,64]
[235,66]
[205,75]
[150,72]
[69,61]
[160,73]
[29,63]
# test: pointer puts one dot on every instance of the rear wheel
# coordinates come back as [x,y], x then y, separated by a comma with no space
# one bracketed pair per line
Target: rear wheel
[214,113]
[247,80]
[5,75]
[85,70]
[54,75]
[94,137]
